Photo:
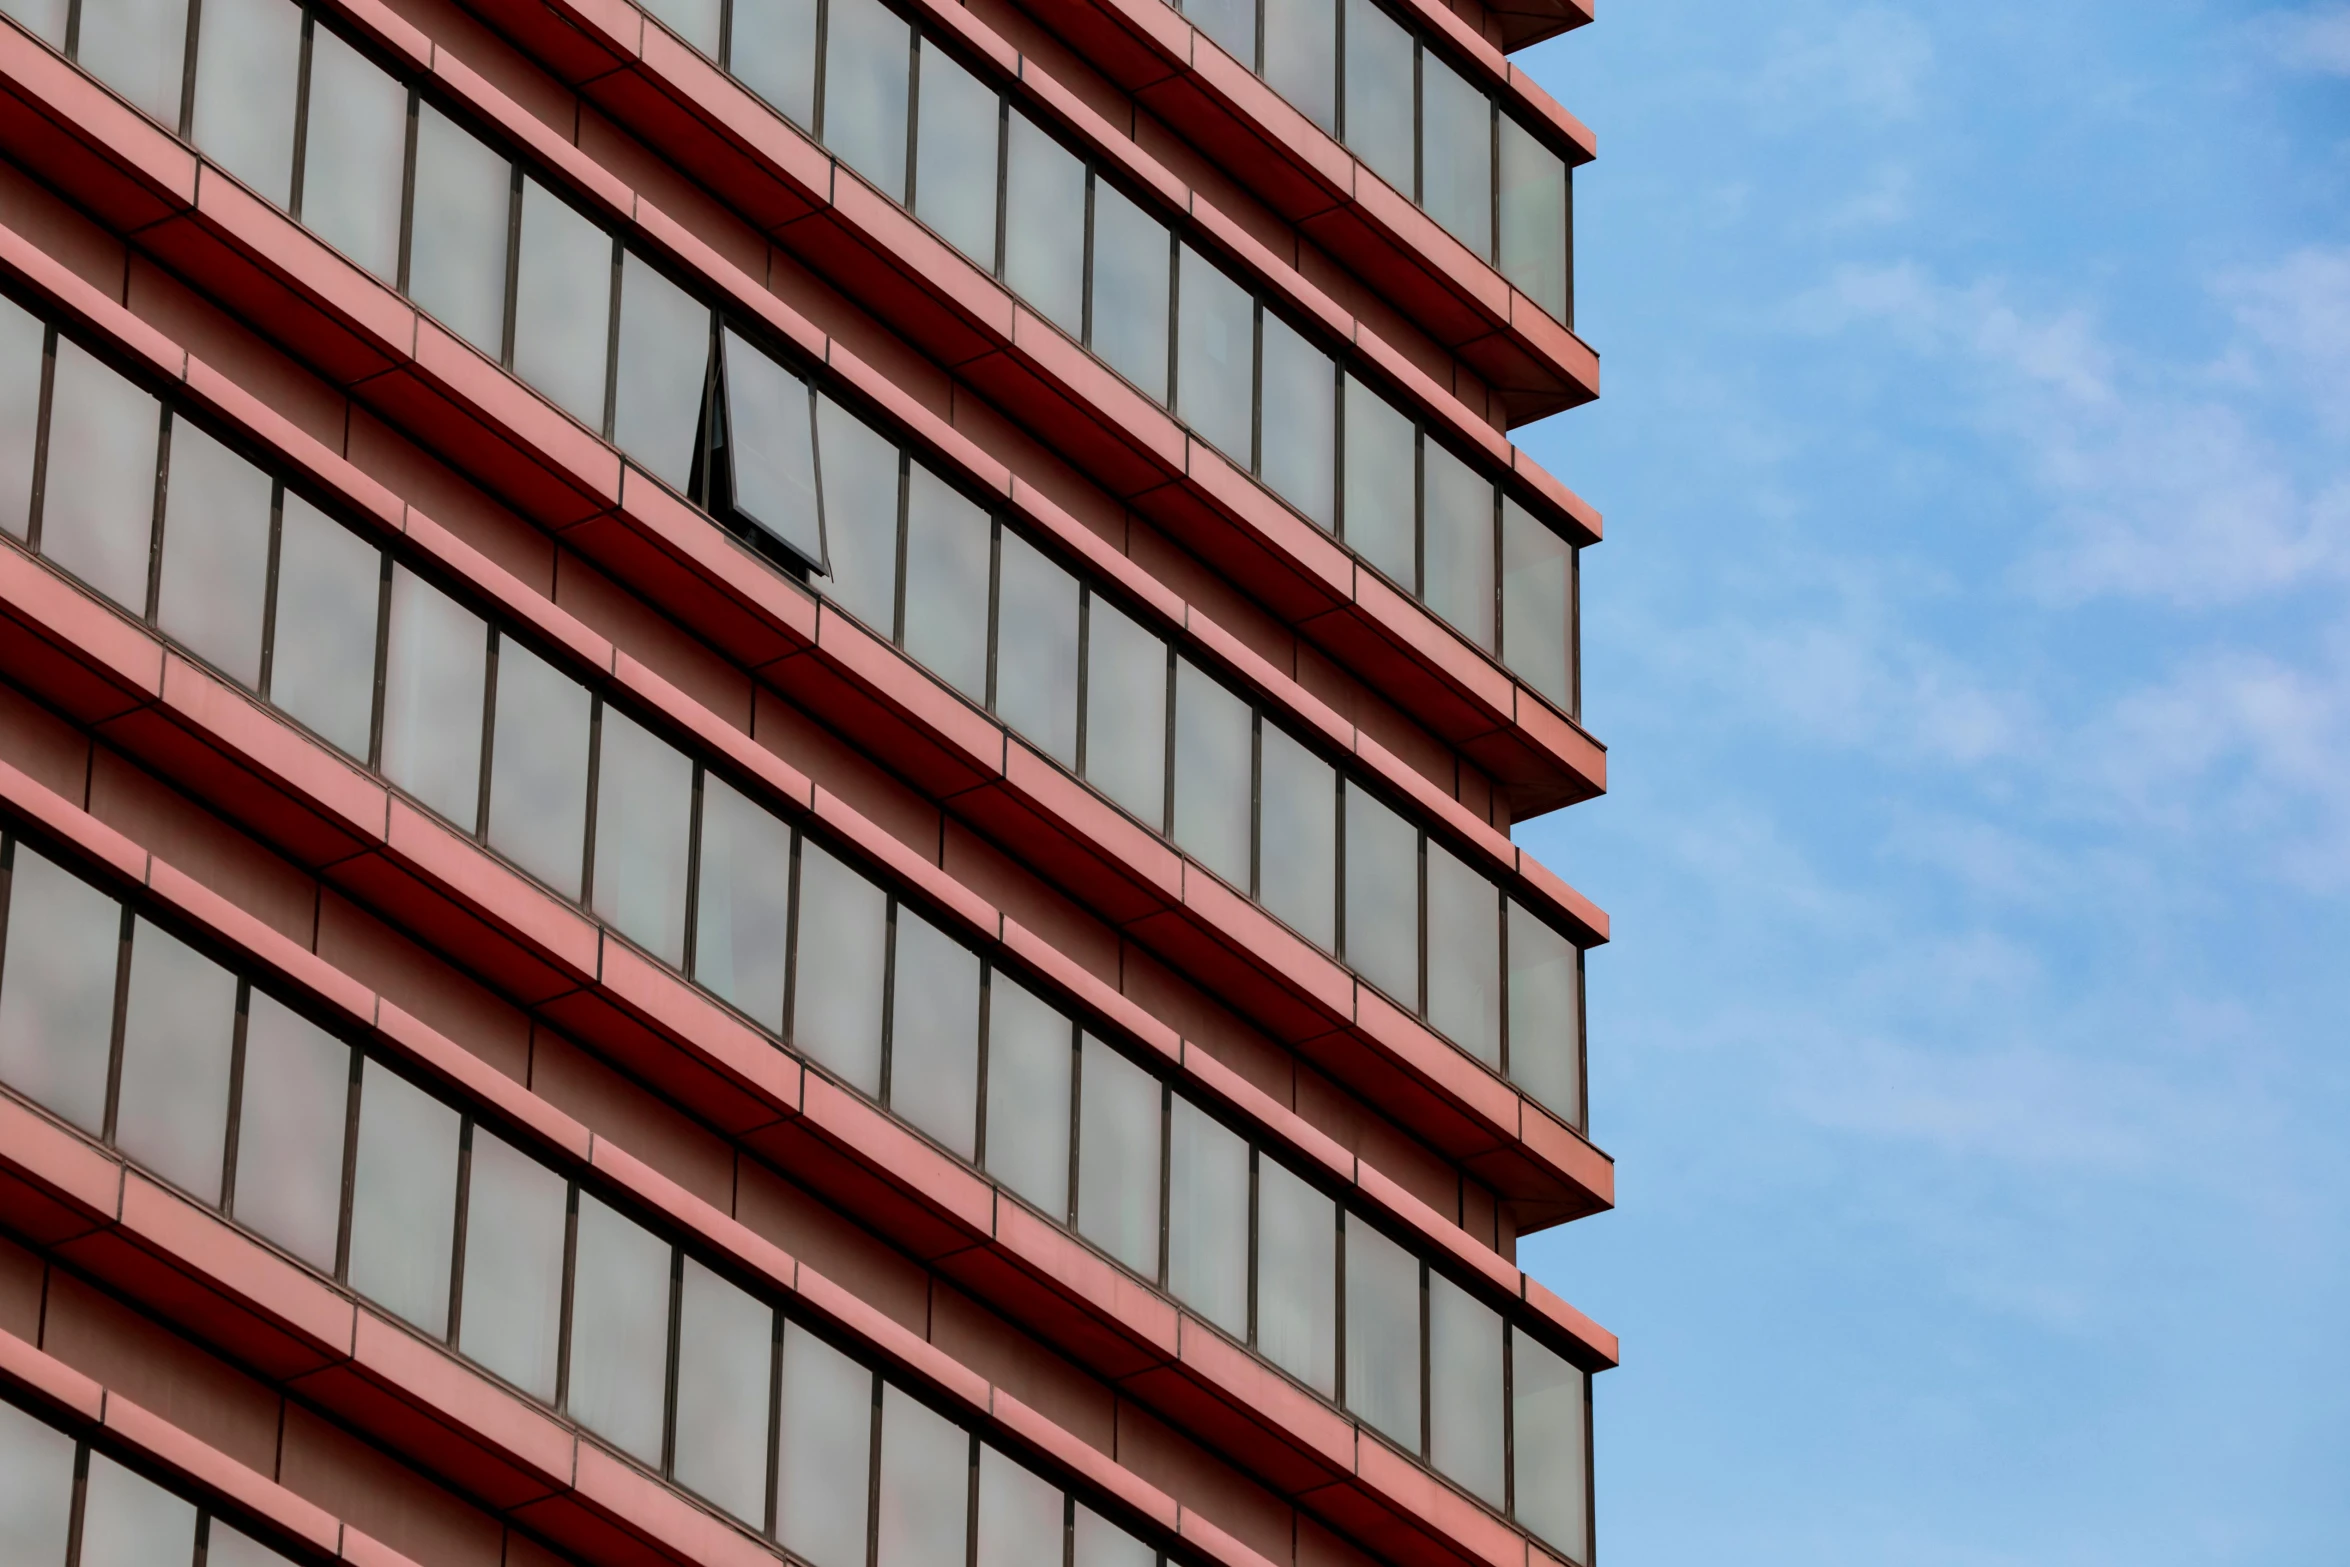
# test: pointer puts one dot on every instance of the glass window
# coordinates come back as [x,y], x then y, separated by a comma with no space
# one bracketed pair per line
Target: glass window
[1097,1542]
[925,1486]
[1231,23]
[1207,1217]
[1044,225]
[1215,759]
[725,1357]
[1029,1054]
[1383,1333]
[958,125]
[1533,217]
[130,1521]
[179,1030]
[1382,485]
[1300,445]
[619,1330]
[322,662]
[404,1199]
[140,49]
[1549,1405]
[1215,357]
[948,542]
[695,21]
[248,64]
[1456,154]
[1301,56]
[837,1005]
[57,989]
[1297,1277]
[1464,955]
[36,1489]
[742,906]
[291,1117]
[1457,554]
[459,229]
[226,1547]
[354,155]
[44,18]
[562,304]
[215,553]
[1536,567]
[1382,897]
[773,50]
[433,679]
[867,49]
[1036,648]
[1546,1014]
[1118,1158]
[1019,1514]
[664,358]
[21,336]
[824,1452]
[510,1316]
[539,767]
[1297,841]
[644,829]
[1131,260]
[98,515]
[1125,711]
[934,1034]
[860,514]
[1379,93]
[770,444]
[1464,1388]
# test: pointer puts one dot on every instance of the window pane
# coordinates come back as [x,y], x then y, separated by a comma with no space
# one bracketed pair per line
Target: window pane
[538,768]
[1379,93]
[44,18]
[1044,225]
[1098,1542]
[1546,1015]
[664,359]
[138,48]
[562,304]
[837,1010]
[1297,1277]
[644,825]
[178,1031]
[1383,897]
[1297,855]
[1036,649]
[1533,217]
[290,1125]
[433,679]
[1131,258]
[57,989]
[329,586]
[1019,1514]
[1126,711]
[354,156]
[404,1199]
[773,50]
[1548,1411]
[1456,153]
[1207,1217]
[1215,353]
[860,515]
[1300,435]
[824,1454]
[1464,955]
[98,515]
[130,1521]
[248,62]
[1458,552]
[958,127]
[1383,1334]
[742,908]
[457,248]
[948,542]
[1118,1158]
[1534,607]
[1215,754]
[771,449]
[1382,485]
[619,1330]
[20,413]
[1029,1051]
[36,1490]
[934,1034]
[867,47]
[226,1547]
[1301,56]
[725,1349]
[215,553]
[695,21]
[925,1486]
[511,1318]
[1231,23]
[1464,1388]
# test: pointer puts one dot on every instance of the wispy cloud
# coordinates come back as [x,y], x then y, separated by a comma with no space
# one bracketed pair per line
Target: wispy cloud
[2316,38]
[1873,61]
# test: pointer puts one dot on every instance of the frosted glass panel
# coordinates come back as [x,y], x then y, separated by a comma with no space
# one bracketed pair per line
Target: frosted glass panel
[742,916]
[1297,853]
[770,444]
[404,1199]
[773,51]
[949,545]
[98,514]
[867,53]
[925,1486]
[1030,1052]
[1549,1448]
[644,826]
[1464,955]
[1464,1388]
[1207,1217]
[1036,649]
[1546,1015]
[354,157]
[860,515]
[248,65]
[934,1034]
[1215,358]
[461,225]
[824,1453]
[1383,1334]
[1044,225]
[290,1127]
[1297,1277]
[538,768]
[57,989]
[664,358]
[1379,99]
[1215,763]
[1382,487]
[178,1035]
[837,1005]
[130,1521]
[1126,711]
[138,48]
[215,572]
[36,1490]
[1019,1514]
[21,336]
[1382,897]
[433,683]
[725,1351]
[1300,434]
[1132,263]
[1118,1158]
[958,128]
[563,304]
[512,1314]
[619,1330]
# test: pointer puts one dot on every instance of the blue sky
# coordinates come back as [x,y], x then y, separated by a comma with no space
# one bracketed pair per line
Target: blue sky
[1972,639]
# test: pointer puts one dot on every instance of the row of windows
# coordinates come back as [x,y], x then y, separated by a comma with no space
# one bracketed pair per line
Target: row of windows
[120,1027]
[499,258]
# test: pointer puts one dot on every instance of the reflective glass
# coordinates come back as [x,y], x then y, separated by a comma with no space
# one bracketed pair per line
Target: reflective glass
[140,49]
[958,124]
[773,52]
[57,989]
[1533,189]
[1464,1388]
[725,1350]
[1464,955]
[1300,430]
[329,589]
[21,335]
[948,544]
[1382,897]
[1019,1514]
[130,1521]
[178,1038]
[1215,760]
[98,512]
[1097,1542]
[215,571]
[823,1453]
[1536,629]
[1207,1216]
[644,827]
[539,768]
[354,155]
[860,515]
[562,304]
[1044,225]
[619,1330]
[1231,23]
[291,1118]
[1131,260]
[1297,1277]
[459,230]
[404,1199]
[227,1547]
[925,1486]
[434,674]
[664,358]
[1383,1334]
[1297,839]
[1030,1049]
[1456,154]
[1546,1015]
[36,1490]
[1125,711]
[510,1315]
[1457,552]
[1550,1477]
[44,18]
[1215,357]
[1379,106]
[742,908]
[248,65]
[1382,485]
[1036,648]
[837,1001]
[771,446]
[867,51]
[1118,1158]
[1301,56]
[934,1034]
[695,21]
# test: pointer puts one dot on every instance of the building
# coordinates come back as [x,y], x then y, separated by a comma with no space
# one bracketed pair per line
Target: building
[756,761]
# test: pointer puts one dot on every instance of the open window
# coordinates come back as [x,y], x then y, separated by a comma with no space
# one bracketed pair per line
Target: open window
[757,455]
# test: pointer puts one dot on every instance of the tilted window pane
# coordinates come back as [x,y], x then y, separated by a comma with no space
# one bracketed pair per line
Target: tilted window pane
[664,359]
[925,1486]
[57,989]
[434,674]
[1118,1158]
[1215,357]
[1535,567]
[773,50]
[1457,554]
[226,1547]
[404,1199]
[354,155]
[958,125]
[1036,648]
[619,1330]
[742,908]
[130,1521]
[1300,437]
[1456,154]
[248,65]
[934,1034]
[867,50]
[562,304]
[1019,1514]
[837,1004]
[1383,1333]
[98,515]
[457,244]
[1029,1053]
[1297,841]
[644,829]
[1131,262]
[948,542]
[329,589]
[1297,1277]
[215,552]
[860,515]
[695,21]
[290,1123]
[1533,188]
[1231,23]
[725,1350]
[1551,1470]
[1546,1015]
[1301,56]
[44,18]
[771,447]
[1097,1542]
[510,1314]
[1382,485]
[1382,897]
[1464,1388]
[538,768]
[1207,1217]
[138,48]
[178,1035]
[36,1489]
[1044,225]
[1126,711]
[1464,955]
[20,413]
[1379,106]
[1215,757]
[824,1452]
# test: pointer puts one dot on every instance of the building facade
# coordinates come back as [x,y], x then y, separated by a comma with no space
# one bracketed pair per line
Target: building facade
[756,767]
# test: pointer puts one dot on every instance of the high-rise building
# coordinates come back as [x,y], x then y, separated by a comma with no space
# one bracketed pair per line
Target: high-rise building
[756,767]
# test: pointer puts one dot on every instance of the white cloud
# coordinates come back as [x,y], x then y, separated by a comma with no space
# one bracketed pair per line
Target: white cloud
[1873,61]
[2315,39]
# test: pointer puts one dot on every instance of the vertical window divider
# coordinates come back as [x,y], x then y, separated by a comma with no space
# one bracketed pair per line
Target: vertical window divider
[155,516]
[816,91]
[122,992]
[693,866]
[913,110]
[1427,1370]
[236,1097]
[1084,663]
[383,659]
[726,36]
[889,993]
[351,1111]
[457,1228]
[1256,802]
[301,119]
[987,973]
[1419,511]
[563,1311]
[897,597]
[995,602]
[611,414]
[73,30]
[1085,258]
[1509,1419]
[1502,1028]
[669,1362]
[513,263]
[184,125]
[32,525]
[1338,866]
[1003,177]
[595,769]
[7,884]
[1255,1239]
[873,1478]
[489,729]
[1420,912]
[269,575]
[1076,1117]
[1166,822]
[1174,387]
[408,189]
[971,1505]
[772,1524]
[1338,1305]
[1256,386]
[1419,150]
[791,944]
[81,1451]
[1166,1175]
